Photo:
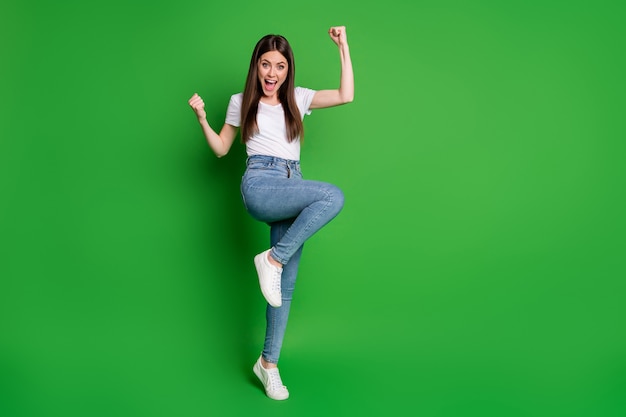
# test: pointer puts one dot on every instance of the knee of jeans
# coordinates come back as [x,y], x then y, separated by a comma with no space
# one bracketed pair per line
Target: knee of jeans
[337,198]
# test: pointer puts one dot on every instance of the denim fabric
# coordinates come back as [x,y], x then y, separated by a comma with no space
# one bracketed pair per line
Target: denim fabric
[276,317]
[274,192]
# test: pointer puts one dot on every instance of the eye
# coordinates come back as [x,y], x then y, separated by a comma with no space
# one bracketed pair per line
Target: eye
[281,67]
[265,65]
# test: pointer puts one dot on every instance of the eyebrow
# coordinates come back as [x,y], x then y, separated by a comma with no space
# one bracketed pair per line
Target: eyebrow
[269,62]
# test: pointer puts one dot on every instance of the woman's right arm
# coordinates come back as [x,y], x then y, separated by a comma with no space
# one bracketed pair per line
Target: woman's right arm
[220,144]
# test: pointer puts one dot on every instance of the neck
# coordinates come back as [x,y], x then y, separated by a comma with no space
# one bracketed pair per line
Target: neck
[273,99]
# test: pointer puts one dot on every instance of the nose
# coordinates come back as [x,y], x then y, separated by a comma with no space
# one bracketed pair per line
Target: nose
[271,71]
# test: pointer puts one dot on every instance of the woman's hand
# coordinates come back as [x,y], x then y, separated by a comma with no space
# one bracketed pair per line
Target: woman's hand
[345,93]
[338,35]
[197,104]
[220,144]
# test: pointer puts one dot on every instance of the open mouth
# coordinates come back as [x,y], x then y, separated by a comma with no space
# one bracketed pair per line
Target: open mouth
[270,85]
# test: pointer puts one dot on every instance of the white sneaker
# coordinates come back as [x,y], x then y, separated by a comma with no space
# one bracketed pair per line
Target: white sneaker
[269,279]
[270,378]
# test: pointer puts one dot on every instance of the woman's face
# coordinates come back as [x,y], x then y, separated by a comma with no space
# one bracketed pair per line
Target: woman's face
[272,72]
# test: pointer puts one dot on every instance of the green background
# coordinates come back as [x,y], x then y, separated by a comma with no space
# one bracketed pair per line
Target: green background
[477,268]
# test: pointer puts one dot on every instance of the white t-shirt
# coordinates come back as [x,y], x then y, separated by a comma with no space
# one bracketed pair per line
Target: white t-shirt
[271,139]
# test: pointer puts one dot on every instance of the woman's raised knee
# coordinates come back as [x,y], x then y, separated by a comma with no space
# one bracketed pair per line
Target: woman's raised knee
[336,198]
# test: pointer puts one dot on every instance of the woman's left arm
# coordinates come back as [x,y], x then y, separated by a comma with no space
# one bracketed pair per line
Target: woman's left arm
[345,93]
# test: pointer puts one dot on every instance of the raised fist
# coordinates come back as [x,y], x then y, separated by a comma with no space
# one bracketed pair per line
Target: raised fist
[338,35]
[197,104]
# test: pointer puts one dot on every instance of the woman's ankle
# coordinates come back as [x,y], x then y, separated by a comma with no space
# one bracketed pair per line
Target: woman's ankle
[268,365]
[274,261]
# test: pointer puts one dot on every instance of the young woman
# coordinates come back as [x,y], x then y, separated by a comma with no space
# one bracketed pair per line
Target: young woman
[270,112]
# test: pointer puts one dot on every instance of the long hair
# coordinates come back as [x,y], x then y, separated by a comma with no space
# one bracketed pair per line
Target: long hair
[286,94]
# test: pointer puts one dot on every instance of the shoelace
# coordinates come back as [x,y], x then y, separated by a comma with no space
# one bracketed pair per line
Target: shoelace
[276,280]
[275,382]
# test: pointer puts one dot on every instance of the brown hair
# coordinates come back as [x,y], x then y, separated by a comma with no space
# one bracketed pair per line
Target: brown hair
[286,94]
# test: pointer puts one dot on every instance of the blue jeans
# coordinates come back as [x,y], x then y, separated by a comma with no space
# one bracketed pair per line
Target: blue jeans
[274,192]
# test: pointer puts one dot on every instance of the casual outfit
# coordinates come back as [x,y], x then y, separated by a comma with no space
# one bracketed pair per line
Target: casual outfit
[274,191]
[271,138]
